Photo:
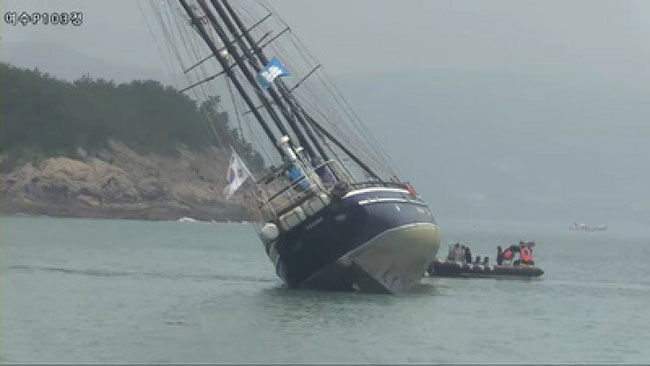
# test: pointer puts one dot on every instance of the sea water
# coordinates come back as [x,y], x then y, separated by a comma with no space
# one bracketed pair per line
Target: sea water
[78,290]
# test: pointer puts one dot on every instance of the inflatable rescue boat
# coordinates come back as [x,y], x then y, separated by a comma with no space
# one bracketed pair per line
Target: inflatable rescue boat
[448,268]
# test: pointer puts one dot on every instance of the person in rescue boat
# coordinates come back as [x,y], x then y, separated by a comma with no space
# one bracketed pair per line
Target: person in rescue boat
[499,255]
[468,255]
[458,252]
[526,254]
[508,255]
[514,249]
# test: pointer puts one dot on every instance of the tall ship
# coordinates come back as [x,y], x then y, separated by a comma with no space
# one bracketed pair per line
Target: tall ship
[333,212]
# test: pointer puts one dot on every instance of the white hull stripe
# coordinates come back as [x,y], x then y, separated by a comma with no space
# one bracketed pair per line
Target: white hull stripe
[368,190]
[387,200]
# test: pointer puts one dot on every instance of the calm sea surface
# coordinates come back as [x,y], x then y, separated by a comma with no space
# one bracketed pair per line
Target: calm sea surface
[78,290]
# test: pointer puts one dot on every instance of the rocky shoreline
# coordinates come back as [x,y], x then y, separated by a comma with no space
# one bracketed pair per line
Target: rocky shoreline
[119,183]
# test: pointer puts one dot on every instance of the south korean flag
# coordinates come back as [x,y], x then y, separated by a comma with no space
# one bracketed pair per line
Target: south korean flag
[236,176]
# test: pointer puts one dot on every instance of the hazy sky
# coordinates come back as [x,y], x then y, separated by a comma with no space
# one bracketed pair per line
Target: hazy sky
[509,109]
[353,36]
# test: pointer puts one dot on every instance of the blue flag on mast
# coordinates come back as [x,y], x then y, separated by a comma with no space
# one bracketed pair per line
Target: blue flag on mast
[272,71]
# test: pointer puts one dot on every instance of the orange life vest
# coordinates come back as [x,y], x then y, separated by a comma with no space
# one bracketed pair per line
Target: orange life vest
[526,255]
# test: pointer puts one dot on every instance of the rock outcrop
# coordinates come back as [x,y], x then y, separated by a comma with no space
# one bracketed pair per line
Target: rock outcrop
[117,182]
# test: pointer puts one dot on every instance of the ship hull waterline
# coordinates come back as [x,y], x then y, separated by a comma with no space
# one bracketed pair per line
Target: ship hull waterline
[373,240]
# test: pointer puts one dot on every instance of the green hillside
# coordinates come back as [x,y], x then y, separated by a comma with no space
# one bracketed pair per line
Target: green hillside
[43,116]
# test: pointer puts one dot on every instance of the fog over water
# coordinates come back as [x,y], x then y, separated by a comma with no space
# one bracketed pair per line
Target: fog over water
[504,110]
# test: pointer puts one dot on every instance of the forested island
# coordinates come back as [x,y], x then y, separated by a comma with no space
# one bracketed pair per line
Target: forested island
[94,148]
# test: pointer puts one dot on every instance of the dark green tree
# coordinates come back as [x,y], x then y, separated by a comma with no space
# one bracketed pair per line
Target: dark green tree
[43,116]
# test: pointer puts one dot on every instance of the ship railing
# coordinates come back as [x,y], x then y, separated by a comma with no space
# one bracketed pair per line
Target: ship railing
[386,184]
[279,199]
[318,179]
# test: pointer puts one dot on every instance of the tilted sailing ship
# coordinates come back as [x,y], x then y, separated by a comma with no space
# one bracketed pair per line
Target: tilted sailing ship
[334,215]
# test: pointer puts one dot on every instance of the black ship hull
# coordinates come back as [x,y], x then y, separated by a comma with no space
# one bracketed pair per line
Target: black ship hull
[378,240]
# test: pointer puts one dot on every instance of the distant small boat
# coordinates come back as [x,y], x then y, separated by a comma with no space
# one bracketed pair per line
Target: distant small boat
[582,227]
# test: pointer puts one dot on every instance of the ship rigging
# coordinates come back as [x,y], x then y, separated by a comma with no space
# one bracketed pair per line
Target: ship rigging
[335,215]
